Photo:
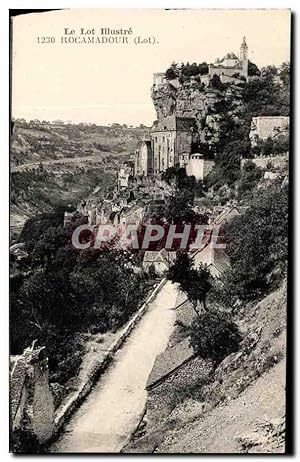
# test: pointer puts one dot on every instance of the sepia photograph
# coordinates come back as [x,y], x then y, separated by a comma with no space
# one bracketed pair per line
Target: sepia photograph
[149,267]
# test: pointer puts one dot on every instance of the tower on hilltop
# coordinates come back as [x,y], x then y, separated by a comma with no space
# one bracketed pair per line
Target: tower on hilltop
[244,55]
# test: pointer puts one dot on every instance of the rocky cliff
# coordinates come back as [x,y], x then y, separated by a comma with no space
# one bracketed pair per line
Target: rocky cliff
[207,105]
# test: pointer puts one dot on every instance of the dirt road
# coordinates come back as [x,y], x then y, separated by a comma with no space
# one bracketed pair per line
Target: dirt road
[112,411]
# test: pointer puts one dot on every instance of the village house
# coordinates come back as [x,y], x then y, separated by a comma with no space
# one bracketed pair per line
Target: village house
[226,215]
[265,127]
[216,260]
[143,161]
[160,260]
[132,216]
[123,177]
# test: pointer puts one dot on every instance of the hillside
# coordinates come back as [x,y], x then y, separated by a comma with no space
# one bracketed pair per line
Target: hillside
[38,142]
[44,189]
[231,409]
[57,165]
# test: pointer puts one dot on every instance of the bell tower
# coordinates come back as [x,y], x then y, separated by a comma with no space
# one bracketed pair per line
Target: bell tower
[244,57]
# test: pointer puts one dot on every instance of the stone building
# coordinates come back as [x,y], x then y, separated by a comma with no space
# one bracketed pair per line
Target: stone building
[132,215]
[230,69]
[267,127]
[159,79]
[159,260]
[216,260]
[143,162]
[231,65]
[171,137]
[123,177]
[198,166]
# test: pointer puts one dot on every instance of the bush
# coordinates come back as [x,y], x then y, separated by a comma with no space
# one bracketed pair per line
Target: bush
[214,336]
[216,83]
[257,245]
[170,74]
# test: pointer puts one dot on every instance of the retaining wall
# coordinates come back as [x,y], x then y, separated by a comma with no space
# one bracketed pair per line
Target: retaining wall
[63,414]
[31,401]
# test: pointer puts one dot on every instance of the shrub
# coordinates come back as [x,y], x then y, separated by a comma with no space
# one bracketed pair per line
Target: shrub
[170,74]
[257,245]
[214,336]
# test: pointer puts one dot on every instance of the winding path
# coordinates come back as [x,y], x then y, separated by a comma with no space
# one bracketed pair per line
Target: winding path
[113,409]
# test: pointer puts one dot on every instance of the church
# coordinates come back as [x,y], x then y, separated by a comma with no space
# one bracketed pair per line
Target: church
[231,66]
[172,138]
[231,69]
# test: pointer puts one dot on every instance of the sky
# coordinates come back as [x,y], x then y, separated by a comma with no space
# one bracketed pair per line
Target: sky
[107,83]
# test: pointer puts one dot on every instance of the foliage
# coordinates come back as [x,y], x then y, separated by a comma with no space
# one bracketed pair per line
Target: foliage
[257,245]
[214,336]
[262,95]
[170,74]
[65,293]
[194,282]
[35,227]
[185,71]
[178,207]
[251,174]
[272,146]
[215,82]
[252,69]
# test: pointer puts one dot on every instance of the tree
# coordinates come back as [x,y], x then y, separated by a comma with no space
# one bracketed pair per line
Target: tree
[257,245]
[227,169]
[264,96]
[251,174]
[216,83]
[214,336]
[195,283]
[170,74]
[284,73]
[178,208]
[203,68]
[252,69]
[35,227]
[179,271]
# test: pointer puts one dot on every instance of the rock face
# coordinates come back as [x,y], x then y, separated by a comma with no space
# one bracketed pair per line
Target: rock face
[207,105]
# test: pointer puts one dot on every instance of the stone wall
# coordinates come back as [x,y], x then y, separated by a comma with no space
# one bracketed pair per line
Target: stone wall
[32,405]
[264,162]
[199,167]
[163,397]
[31,401]
[267,127]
